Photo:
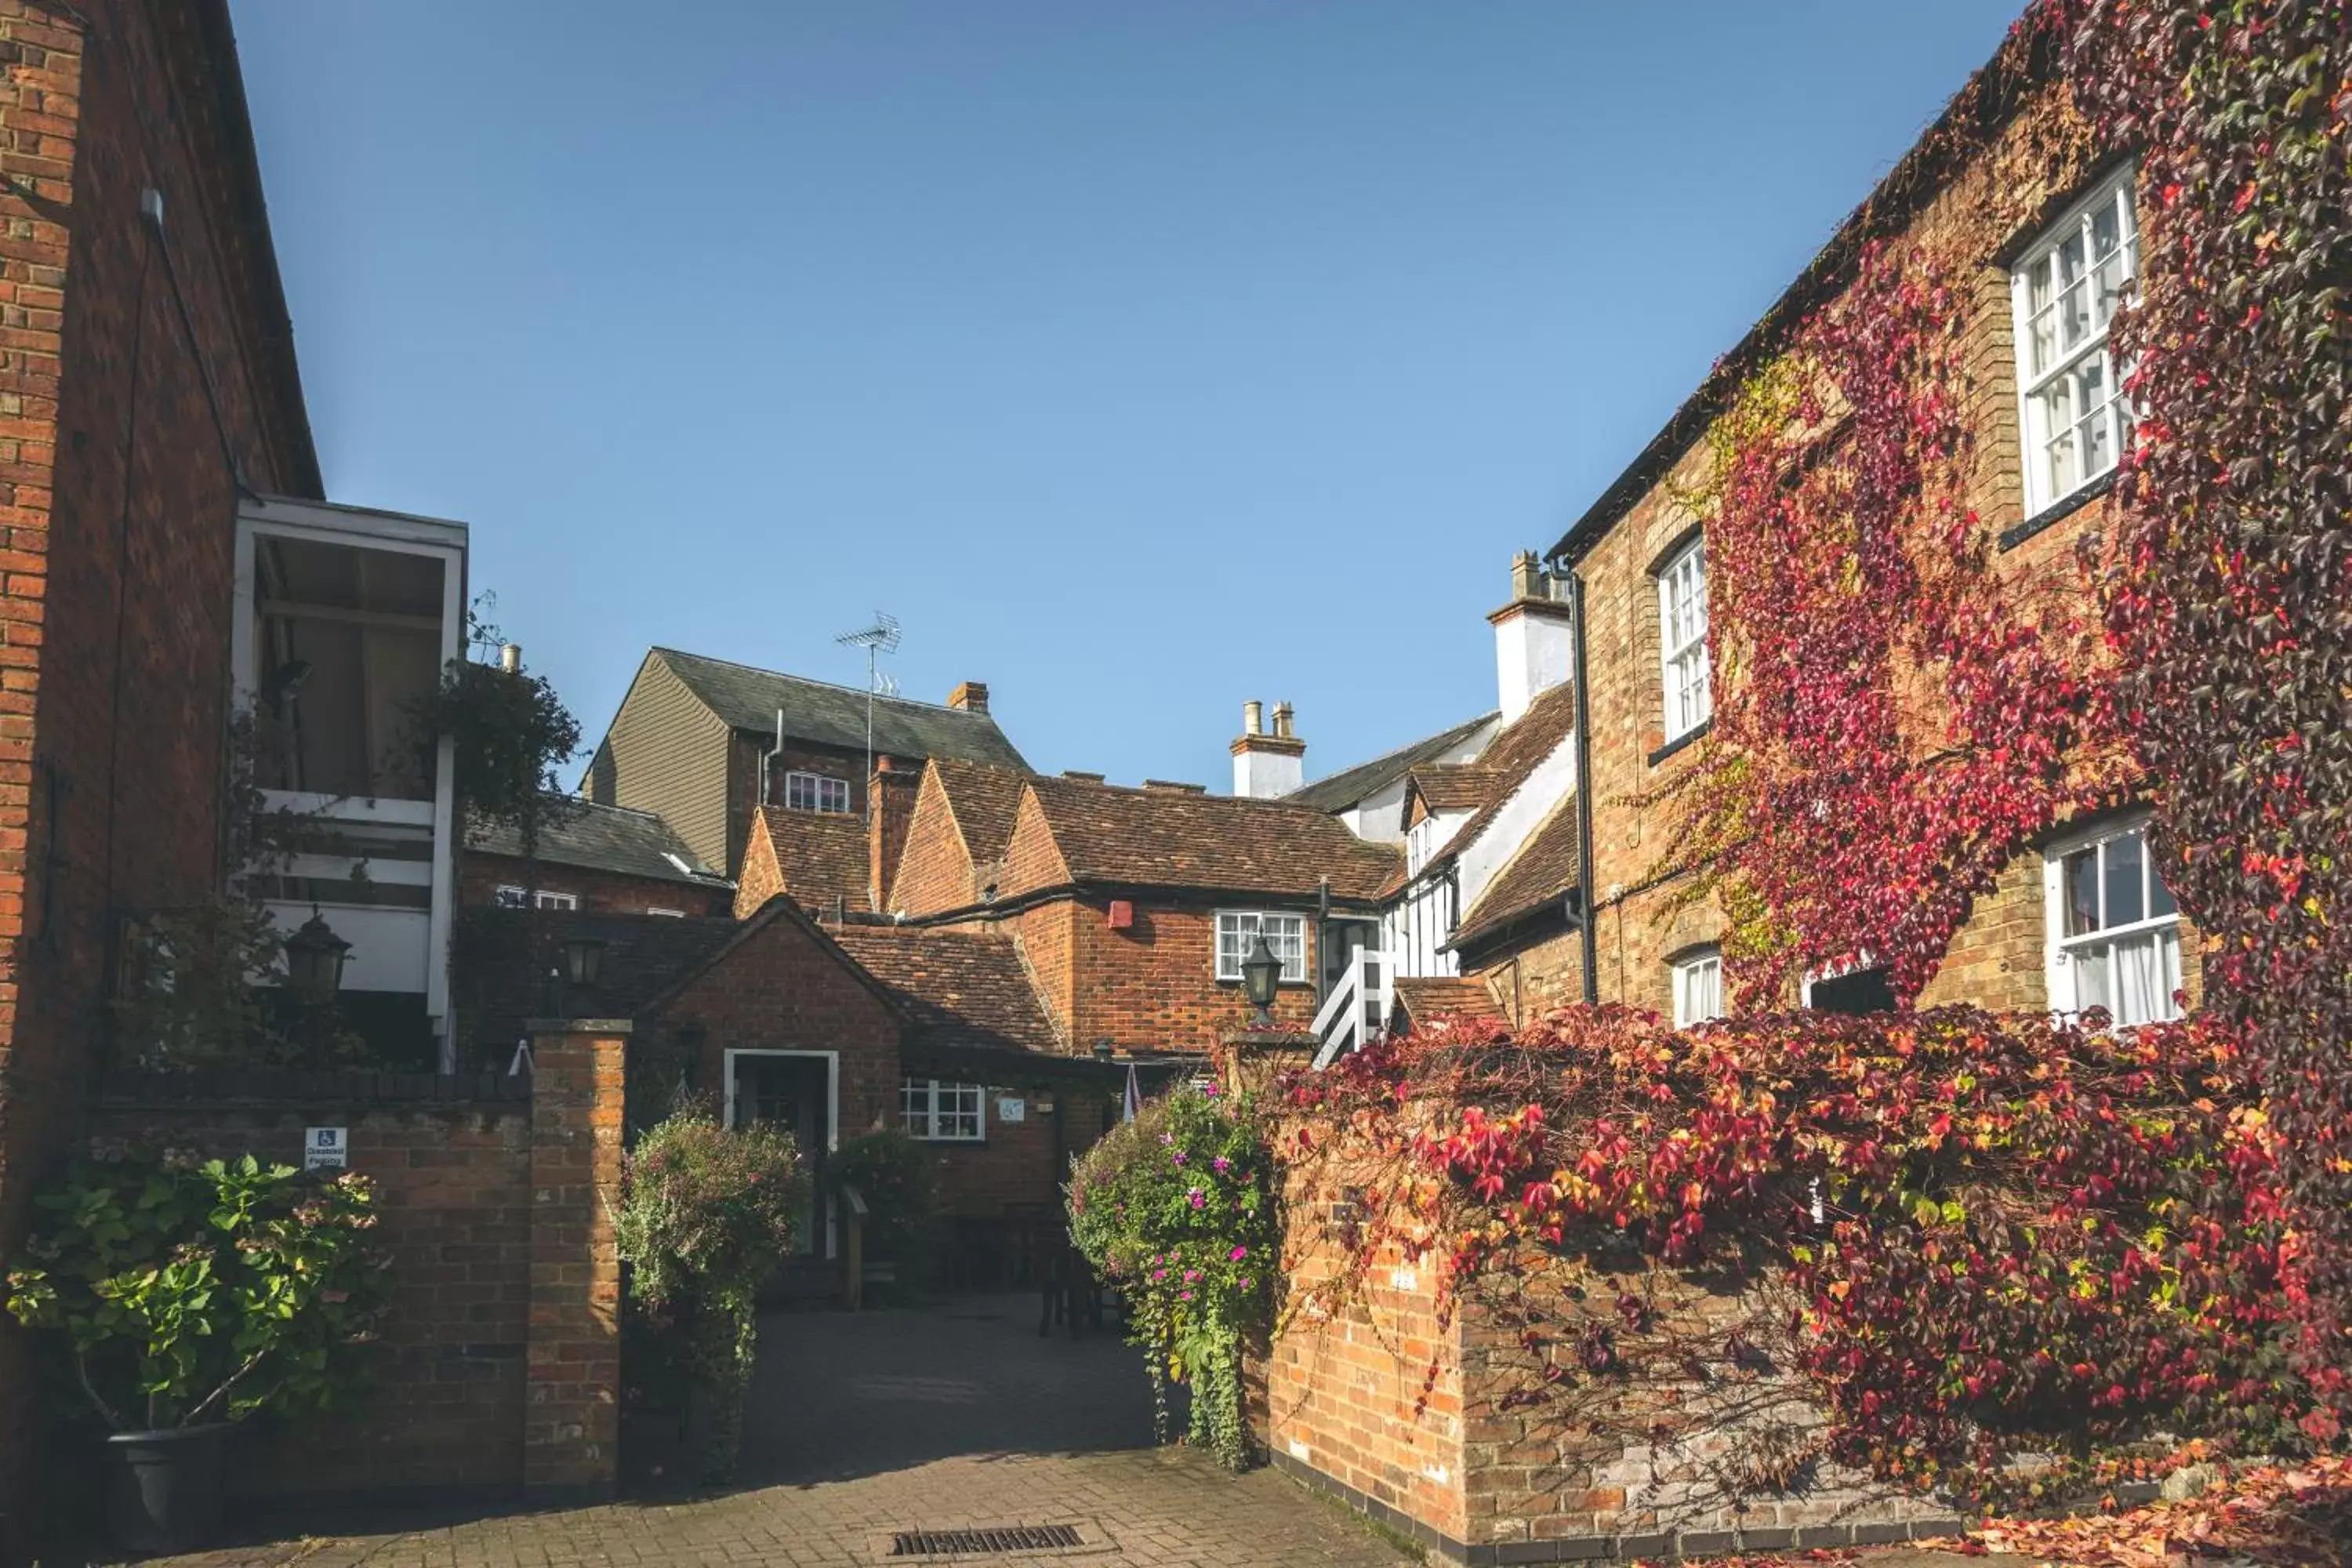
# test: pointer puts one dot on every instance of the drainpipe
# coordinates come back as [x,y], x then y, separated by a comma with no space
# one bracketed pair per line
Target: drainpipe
[1584,791]
[767,762]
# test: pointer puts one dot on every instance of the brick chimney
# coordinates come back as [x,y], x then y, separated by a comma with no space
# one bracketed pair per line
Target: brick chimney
[891,798]
[1268,762]
[1534,636]
[971,696]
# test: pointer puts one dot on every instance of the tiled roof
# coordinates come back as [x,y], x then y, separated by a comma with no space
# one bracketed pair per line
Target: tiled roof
[1540,873]
[1348,785]
[962,989]
[500,961]
[748,699]
[985,801]
[1444,996]
[823,855]
[1517,751]
[1452,786]
[1165,837]
[603,838]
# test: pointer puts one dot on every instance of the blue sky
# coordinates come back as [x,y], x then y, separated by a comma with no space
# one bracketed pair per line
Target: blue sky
[1141,357]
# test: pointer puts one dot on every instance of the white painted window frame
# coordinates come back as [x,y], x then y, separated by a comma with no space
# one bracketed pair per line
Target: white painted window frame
[930,1091]
[1687,695]
[666,914]
[2062,952]
[1697,985]
[2068,365]
[509,895]
[821,787]
[1239,949]
[549,898]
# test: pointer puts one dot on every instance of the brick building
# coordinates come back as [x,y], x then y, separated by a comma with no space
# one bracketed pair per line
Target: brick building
[589,856]
[705,743]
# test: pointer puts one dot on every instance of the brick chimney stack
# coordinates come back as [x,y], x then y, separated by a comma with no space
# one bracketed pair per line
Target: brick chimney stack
[1534,636]
[971,696]
[1267,763]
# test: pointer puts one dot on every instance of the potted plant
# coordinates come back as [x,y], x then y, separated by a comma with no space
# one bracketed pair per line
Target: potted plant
[185,1295]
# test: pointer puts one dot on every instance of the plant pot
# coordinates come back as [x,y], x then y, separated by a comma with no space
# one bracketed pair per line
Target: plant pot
[164,1488]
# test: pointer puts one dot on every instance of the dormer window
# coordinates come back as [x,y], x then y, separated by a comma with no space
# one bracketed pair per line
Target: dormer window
[815,792]
[1682,639]
[2066,288]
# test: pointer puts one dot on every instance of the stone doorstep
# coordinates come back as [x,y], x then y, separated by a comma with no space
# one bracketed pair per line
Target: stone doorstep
[1094,1541]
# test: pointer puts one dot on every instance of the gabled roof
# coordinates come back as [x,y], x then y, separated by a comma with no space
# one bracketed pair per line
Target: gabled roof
[501,959]
[1511,756]
[1542,872]
[604,839]
[985,801]
[1346,788]
[821,855]
[961,989]
[743,932]
[748,699]
[1176,838]
[1431,997]
[1450,787]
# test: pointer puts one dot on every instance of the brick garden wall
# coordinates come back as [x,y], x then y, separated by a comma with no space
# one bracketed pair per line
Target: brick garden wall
[500,1366]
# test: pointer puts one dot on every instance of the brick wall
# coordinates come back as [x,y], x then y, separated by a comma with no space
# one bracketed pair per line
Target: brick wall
[500,1366]
[135,369]
[895,792]
[480,875]
[935,869]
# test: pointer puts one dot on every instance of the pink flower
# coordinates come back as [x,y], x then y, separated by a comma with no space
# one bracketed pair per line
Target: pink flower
[1221,1164]
[1198,1201]
[1238,1254]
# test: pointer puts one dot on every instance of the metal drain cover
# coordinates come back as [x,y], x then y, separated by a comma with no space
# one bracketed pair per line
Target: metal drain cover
[977,1542]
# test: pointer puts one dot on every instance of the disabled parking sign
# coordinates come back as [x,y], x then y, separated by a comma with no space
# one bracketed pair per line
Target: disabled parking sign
[324,1149]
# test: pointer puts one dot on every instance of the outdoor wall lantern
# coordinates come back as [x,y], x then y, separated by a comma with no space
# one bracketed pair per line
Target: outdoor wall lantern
[1260,970]
[314,960]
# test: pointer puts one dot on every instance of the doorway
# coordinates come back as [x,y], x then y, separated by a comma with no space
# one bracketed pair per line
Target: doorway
[1339,942]
[797,1091]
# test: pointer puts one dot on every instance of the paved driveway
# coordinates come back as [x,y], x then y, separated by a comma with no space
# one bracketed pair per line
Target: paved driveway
[862,1427]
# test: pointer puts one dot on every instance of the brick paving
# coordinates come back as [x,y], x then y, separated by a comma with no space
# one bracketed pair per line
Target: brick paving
[957,1418]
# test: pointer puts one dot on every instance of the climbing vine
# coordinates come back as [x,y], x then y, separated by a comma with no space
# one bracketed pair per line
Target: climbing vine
[1970,1235]
[2228,588]
[1177,1208]
[1893,718]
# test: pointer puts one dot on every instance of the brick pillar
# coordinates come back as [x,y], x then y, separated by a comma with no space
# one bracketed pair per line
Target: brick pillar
[572,1376]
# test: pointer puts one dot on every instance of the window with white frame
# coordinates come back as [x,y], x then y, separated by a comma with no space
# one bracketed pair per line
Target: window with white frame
[815,792]
[673,914]
[2066,289]
[509,897]
[1237,934]
[1682,639]
[1698,986]
[544,900]
[2115,935]
[941,1111]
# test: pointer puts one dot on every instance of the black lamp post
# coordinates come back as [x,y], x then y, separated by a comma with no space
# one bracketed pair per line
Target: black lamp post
[1260,972]
[314,973]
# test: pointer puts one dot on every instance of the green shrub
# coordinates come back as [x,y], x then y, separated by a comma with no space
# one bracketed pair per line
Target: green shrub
[706,1215]
[899,1179]
[186,1291]
[1176,1207]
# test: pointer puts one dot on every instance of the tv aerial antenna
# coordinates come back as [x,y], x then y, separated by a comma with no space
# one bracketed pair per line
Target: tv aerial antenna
[877,639]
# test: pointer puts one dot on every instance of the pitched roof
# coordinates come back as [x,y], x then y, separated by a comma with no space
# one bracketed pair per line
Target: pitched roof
[1542,872]
[1167,838]
[1348,785]
[501,959]
[748,699]
[1514,754]
[1444,996]
[985,801]
[1452,786]
[603,838]
[822,855]
[961,989]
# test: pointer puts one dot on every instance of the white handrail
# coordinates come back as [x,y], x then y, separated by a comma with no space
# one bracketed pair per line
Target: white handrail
[1358,1007]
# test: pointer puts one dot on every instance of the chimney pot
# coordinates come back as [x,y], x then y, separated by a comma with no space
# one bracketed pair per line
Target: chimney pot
[1253,717]
[1268,762]
[971,696]
[1282,720]
[1534,639]
[1526,576]
[510,657]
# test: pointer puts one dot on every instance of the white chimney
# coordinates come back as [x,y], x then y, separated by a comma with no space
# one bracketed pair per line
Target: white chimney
[1266,764]
[1534,638]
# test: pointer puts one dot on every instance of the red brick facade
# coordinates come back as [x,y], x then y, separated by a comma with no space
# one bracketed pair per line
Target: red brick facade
[145,372]
[480,875]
